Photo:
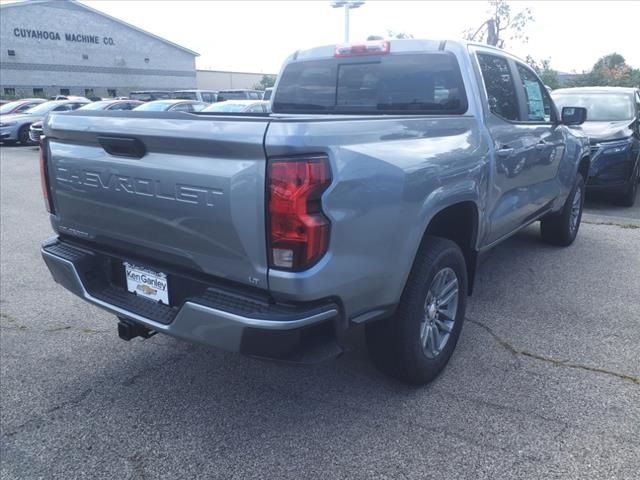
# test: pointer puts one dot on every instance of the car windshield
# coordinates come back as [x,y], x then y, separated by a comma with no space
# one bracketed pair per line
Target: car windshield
[96,105]
[185,95]
[147,96]
[8,107]
[232,95]
[154,106]
[43,108]
[226,107]
[601,107]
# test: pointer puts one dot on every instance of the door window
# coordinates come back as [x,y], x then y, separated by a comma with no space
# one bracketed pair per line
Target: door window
[536,96]
[498,81]
[182,107]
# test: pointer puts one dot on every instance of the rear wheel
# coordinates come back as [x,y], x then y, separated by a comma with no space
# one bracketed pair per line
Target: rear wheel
[416,343]
[23,135]
[562,228]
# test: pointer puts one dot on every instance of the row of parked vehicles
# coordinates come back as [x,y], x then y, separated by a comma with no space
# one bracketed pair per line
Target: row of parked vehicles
[21,121]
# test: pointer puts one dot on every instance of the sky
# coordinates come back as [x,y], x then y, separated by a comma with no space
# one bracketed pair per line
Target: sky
[256,36]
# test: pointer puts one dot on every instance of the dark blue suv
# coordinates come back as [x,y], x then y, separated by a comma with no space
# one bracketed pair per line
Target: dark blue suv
[613,127]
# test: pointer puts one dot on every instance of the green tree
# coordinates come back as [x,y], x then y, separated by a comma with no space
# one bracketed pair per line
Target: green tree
[611,70]
[501,24]
[267,81]
[548,75]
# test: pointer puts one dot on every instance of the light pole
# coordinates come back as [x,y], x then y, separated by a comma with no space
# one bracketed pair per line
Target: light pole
[347,5]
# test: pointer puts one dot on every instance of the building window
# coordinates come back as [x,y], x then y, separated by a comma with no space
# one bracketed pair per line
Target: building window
[38,92]
[111,92]
[64,91]
[11,53]
[88,92]
[10,91]
[85,56]
[146,60]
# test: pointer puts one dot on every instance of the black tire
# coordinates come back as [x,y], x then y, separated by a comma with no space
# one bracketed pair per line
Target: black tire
[395,344]
[23,135]
[629,197]
[559,229]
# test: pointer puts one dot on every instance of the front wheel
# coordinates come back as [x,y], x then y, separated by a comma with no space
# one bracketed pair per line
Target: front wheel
[23,135]
[416,343]
[562,228]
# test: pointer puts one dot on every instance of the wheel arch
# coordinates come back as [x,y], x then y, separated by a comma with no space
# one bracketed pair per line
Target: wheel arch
[459,222]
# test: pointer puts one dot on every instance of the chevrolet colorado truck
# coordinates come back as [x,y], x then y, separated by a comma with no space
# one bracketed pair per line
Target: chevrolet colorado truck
[365,198]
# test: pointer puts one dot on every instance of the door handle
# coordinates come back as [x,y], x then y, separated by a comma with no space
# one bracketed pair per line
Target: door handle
[123,146]
[505,151]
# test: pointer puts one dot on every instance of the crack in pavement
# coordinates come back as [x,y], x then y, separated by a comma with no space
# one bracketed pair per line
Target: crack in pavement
[560,363]
[619,223]
[43,417]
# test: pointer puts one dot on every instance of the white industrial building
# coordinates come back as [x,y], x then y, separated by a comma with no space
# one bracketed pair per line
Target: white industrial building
[53,47]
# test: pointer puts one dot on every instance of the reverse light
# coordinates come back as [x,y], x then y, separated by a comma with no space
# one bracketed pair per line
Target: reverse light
[377,47]
[44,174]
[298,231]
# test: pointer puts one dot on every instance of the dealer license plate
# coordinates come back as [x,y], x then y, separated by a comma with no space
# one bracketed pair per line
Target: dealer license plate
[147,283]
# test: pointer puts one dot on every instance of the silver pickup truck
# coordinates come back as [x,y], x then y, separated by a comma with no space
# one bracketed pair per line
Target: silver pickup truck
[366,197]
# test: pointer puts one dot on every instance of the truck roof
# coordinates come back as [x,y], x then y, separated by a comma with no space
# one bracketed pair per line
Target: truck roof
[400,46]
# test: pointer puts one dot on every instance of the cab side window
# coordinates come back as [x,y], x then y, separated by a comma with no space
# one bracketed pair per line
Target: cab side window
[536,96]
[501,89]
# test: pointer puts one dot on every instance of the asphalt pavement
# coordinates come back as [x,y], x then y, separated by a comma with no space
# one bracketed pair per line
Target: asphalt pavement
[544,384]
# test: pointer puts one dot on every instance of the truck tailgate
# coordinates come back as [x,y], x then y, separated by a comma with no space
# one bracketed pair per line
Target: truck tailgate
[194,198]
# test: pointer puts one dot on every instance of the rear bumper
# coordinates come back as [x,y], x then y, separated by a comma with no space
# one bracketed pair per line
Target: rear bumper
[278,331]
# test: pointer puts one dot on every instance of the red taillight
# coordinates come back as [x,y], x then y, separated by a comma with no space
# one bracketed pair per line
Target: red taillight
[367,48]
[44,175]
[298,230]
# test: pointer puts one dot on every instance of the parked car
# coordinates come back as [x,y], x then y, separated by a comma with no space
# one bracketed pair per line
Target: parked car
[35,131]
[239,94]
[365,200]
[206,96]
[149,95]
[613,126]
[172,105]
[114,104]
[71,97]
[20,106]
[267,93]
[15,127]
[239,106]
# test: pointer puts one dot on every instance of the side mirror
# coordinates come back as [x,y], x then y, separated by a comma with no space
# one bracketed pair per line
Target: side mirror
[574,115]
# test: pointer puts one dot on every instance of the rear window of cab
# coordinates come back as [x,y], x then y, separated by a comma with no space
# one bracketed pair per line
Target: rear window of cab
[425,83]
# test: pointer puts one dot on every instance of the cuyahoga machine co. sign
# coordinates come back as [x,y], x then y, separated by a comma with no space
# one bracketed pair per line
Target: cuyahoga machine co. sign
[69,37]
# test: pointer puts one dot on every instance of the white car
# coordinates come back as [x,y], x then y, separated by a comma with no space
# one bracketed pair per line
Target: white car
[239,106]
